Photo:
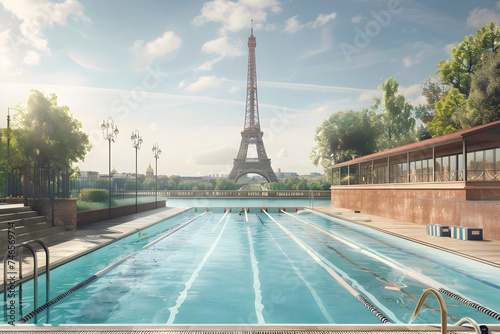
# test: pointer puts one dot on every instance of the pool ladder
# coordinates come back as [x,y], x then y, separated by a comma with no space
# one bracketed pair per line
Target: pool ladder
[20,248]
[442,305]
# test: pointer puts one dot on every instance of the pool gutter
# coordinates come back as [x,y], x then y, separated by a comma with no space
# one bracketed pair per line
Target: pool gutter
[241,329]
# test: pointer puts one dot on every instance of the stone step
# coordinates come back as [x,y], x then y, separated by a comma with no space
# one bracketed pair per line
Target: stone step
[23,222]
[47,235]
[17,215]
[13,208]
[21,229]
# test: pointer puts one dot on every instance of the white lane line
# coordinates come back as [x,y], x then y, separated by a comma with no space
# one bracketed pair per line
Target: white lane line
[315,295]
[220,220]
[256,282]
[318,260]
[182,297]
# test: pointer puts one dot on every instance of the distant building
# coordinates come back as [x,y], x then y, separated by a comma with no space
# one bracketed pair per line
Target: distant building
[89,174]
[285,175]
[150,173]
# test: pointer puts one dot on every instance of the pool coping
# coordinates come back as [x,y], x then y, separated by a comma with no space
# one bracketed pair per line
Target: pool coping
[243,329]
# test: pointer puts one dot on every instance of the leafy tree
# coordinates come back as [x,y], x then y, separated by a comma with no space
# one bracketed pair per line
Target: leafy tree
[484,99]
[397,123]
[451,115]
[46,133]
[302,185]
[467,56]
[225,184]
[343,135]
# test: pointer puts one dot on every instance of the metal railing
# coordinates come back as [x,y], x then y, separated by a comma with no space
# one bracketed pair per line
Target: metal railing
[243,193]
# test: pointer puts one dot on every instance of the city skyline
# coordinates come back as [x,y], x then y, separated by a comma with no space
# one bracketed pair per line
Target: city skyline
[176,71]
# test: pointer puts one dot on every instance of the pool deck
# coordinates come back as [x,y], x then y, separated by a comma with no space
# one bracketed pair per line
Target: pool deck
[93,236]
[486,251]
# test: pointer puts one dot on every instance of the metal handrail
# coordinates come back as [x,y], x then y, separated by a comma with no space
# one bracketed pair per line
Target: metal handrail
[22,247]
[442,306]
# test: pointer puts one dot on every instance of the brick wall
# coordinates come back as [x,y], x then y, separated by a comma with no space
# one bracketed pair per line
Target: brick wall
[93,216]
[447,205]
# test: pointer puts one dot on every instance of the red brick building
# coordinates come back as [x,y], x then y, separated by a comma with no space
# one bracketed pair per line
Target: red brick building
[452,180]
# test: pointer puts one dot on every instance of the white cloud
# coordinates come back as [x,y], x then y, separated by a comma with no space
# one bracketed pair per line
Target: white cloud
[220,156]
[282,153]
[369,95]
[449,47]
[6,54]
[423,49]
[32,58]
[410,90]
[202,83]
[323,19]
[356,19]
[38,15]
[222,47]
[164,44]
[234,90]
[292,25]
[236,15]
[479,17]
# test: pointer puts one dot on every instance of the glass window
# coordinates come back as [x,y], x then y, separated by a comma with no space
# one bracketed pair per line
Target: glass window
[497,158]
[479,160]
[439,164]
[470,161]
[453,163]
[460,161]
[489,161]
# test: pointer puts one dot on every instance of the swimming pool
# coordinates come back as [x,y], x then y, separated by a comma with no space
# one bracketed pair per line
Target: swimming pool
[258,268]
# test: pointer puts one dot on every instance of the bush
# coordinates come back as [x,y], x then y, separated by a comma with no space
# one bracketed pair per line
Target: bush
[94,195]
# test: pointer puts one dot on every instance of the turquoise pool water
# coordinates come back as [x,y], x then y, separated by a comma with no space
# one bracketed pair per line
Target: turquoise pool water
[255,268]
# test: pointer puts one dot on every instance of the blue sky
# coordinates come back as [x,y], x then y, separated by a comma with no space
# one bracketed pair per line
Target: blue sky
[176,70]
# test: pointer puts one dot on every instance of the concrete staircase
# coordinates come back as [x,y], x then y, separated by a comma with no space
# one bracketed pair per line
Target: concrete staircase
[28,226]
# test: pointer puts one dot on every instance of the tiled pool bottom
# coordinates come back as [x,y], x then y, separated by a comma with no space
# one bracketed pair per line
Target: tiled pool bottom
[234,253]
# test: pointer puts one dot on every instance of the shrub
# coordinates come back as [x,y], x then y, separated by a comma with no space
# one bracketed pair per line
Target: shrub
[94,195]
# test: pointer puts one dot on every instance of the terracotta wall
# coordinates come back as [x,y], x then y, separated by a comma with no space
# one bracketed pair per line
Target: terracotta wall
[447,206]
[92,216]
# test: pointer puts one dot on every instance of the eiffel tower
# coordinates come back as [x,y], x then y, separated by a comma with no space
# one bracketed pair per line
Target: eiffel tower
[251,134]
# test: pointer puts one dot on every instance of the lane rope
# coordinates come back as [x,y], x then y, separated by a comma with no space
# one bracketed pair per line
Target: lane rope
[407,271]
[92,278]
[334,274]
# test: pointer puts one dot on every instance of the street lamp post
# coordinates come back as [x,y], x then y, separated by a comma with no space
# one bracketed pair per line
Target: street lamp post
[156,154]
[136,143]
[110,133]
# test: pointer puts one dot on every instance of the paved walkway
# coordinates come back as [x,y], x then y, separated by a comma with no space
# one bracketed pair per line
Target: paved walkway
[93,236]
[487,251]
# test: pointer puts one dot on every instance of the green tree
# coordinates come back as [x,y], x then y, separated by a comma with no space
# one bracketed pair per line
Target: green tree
[397,123]
[467,57]
[302,185]
[47,134]
[343,135]
[225,184]
[484,99]
[451,115]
